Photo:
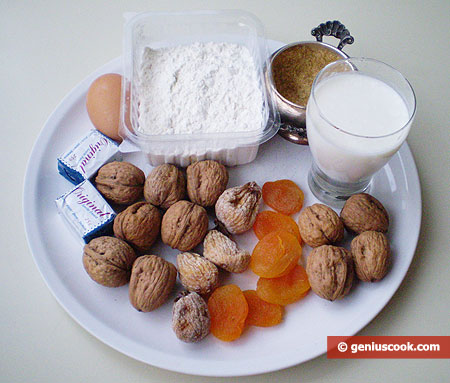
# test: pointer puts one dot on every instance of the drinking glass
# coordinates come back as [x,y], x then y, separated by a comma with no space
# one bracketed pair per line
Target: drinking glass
[358,115]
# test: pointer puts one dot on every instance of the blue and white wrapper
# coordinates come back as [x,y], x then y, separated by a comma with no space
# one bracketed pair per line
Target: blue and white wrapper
[87,213]
[82,161]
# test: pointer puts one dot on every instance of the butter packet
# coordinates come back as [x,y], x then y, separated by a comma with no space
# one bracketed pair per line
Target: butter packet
[82,161]
[86,212]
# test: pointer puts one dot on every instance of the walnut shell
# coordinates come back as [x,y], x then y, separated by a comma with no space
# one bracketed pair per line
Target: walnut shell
[320,225]
[108,261]
[362,212]
[237,207]
[138,225]
[152,280]
[206,181]
[225,253]
[371,255]
[120,182]
[197,274]
[330,271]
[184,225]
[190,317]
[164,186]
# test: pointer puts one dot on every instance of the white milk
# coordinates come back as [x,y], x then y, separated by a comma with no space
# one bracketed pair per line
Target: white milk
[358,105]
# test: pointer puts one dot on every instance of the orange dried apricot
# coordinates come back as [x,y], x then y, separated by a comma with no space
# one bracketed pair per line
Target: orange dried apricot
[275,254]
[228,310]
[268,221]
[284,290]
[283,196]
[262,313]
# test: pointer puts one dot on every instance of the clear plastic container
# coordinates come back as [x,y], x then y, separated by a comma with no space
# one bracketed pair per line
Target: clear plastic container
[164,29]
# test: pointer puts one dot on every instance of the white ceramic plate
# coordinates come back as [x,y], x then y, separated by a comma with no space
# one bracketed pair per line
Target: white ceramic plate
[106,312]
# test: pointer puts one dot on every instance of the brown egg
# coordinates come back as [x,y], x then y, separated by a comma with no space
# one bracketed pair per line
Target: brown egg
[103,104]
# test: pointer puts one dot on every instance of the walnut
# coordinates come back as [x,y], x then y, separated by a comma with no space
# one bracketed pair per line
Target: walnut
[225,253]
[138,225]
[152,280]
[197,274]
[164,186]
[206,181]
[190,317]
[371,254]
[120,182]
[330,271]
[362,212]
[237,207]
[320,225]
[108,261]
[184,225]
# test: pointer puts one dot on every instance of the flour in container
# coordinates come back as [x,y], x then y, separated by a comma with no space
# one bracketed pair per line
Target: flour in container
[199,88]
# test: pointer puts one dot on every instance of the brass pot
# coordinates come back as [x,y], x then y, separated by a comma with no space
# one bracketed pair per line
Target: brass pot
[293,116]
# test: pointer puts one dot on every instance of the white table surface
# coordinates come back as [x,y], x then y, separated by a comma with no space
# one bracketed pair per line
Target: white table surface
[50,46]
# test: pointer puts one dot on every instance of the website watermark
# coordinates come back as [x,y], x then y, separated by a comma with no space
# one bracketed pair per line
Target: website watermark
[389,347]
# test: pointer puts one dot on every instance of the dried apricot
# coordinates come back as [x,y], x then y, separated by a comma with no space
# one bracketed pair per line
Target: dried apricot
[262,313]
[276,254]
[268,221]
[228,310]
[283,196]
[286,289]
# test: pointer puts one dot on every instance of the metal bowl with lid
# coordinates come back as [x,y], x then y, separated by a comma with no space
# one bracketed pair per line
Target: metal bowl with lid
[292,113]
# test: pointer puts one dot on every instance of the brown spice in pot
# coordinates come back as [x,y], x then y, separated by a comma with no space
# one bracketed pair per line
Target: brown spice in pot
[295,68]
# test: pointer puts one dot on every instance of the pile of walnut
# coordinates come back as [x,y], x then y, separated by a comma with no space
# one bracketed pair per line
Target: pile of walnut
[182,224]
[331,269]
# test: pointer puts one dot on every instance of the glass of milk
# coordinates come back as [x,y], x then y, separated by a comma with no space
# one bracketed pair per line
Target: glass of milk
[358,115]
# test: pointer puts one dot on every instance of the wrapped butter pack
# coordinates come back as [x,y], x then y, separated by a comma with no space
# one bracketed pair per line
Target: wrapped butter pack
[86,212]
[83,160]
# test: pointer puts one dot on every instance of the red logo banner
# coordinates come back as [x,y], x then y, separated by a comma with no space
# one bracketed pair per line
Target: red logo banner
[388,347]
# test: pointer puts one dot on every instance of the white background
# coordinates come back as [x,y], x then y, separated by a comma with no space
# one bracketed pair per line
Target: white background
[47,47]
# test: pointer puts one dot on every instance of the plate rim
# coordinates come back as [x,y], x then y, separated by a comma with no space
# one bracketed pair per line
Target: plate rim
[101,332]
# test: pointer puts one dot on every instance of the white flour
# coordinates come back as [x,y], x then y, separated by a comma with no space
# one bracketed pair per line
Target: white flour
[199,88]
